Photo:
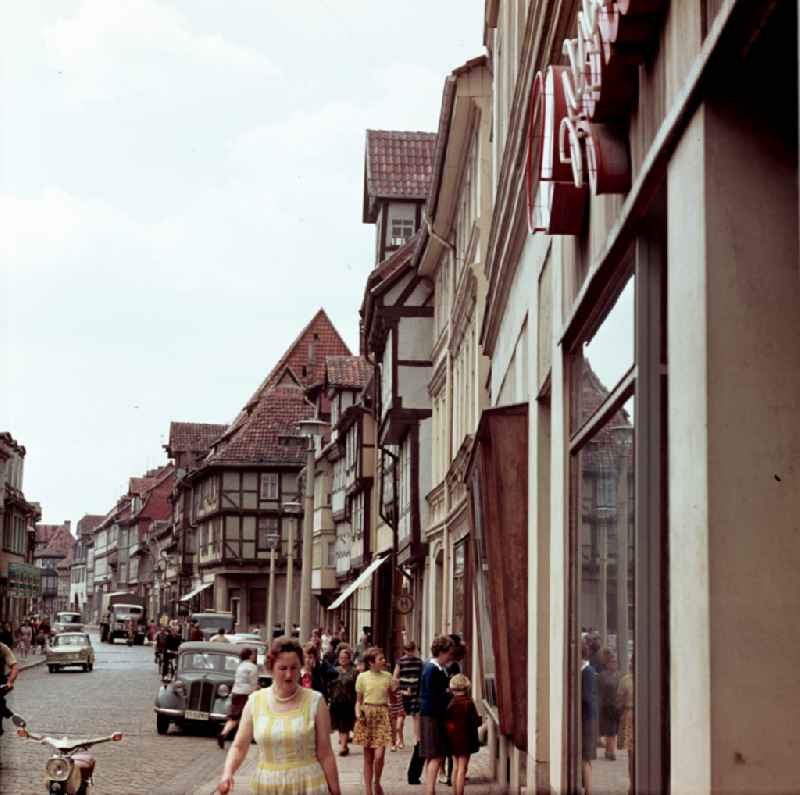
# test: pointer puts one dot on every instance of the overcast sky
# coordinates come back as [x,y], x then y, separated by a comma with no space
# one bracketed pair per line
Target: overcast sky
[181,191]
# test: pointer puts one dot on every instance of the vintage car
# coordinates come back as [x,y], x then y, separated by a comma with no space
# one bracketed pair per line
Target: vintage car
[201,688]
[70,649]
[68,622]
[200,691]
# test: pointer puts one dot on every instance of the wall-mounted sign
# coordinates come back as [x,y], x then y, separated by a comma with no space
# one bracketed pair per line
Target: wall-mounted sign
[578,134]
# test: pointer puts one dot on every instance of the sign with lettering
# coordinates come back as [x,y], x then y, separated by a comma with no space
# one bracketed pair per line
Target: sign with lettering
[578,133]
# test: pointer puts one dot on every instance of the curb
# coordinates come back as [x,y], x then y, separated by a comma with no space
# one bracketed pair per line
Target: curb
[24,666]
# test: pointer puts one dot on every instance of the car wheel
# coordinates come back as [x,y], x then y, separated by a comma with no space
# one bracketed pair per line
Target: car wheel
[162,724]
[90,667]
[52,668]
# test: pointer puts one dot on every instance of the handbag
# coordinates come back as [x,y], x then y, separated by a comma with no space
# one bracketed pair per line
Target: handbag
[415,766]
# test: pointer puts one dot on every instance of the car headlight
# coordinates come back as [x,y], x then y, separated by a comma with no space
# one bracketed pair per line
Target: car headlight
[223,690]
[58,768]
[179,687]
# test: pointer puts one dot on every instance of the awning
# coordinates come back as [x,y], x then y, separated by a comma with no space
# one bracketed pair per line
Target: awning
[196,591]
[358,582]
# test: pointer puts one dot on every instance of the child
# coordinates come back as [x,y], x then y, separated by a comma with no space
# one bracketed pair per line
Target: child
[461,725]
[396,717]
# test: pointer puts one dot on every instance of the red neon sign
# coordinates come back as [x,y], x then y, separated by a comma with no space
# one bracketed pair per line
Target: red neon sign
[578,135]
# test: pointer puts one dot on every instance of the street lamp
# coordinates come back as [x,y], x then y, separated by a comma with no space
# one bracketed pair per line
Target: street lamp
[312,429]
[293,509]
[273,539]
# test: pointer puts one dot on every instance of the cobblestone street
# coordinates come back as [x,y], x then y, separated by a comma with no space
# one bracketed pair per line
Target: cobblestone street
[117,695]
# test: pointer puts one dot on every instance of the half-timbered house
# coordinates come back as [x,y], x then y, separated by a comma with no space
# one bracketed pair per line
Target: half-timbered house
[235,500]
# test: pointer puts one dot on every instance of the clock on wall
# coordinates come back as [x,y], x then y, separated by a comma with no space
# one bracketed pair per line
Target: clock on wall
[404,604]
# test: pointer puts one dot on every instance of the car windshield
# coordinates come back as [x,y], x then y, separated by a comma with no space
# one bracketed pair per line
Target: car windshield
[214,622]
[70,640]
[209,661]
[68,618]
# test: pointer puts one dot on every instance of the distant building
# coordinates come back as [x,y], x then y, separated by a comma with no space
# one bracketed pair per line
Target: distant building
[82,563]
[54,545]
[19,579]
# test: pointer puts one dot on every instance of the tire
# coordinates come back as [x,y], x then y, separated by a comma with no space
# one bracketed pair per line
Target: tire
[52,668]
[162,724]
[89,667]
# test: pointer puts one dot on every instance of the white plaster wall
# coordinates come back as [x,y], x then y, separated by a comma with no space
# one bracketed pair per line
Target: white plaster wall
[415,335]
[413,388]
[514,317]
[688,467]
[425,469]
[558,536]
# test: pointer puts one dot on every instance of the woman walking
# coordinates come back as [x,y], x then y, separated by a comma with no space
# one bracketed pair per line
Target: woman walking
[343,698]
[291,726]
[461,724]
[244,683]
[408,671]
[433,700]
[373,730]
[607,685]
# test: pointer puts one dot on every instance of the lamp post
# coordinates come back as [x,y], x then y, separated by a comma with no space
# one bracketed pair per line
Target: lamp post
[293,509]
[273,539]
[312,429]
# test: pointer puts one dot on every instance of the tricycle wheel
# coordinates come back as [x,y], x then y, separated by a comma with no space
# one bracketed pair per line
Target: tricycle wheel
[162,724]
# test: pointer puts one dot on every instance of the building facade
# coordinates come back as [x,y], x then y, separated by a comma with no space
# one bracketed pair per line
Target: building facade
[19,578]
[231,509]
[642,293]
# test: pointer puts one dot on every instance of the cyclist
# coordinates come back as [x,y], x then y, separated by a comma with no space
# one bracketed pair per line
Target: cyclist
[173,643]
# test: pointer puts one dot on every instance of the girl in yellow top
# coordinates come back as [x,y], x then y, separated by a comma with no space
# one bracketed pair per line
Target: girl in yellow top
[372,729]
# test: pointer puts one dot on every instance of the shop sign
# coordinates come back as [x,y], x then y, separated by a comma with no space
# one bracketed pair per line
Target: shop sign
[23,580]
[578,133]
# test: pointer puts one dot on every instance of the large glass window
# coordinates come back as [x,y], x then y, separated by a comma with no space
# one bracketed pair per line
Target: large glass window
[617,372]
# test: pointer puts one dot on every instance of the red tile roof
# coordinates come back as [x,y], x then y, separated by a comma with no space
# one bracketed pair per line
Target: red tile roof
[138,486]
[59,545]
[397,165]
[193,437]
[269,433]
[347,371]
[304,360]
[88,523]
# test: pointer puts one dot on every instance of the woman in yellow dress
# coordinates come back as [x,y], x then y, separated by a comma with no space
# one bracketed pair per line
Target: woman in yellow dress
[291,726]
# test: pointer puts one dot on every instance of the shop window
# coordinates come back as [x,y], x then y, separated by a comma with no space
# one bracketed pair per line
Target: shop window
[459,569]
[615,595]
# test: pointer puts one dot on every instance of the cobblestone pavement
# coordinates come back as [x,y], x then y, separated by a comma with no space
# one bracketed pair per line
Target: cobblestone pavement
[117,695]
[394,780]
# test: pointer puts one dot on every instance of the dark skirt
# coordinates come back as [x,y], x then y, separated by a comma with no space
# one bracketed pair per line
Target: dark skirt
[433,740]
[343,716]
[609,721]
[238,700]
[588,740]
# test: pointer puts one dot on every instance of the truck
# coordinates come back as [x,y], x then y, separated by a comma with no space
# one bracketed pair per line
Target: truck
[211,621]
[115,611]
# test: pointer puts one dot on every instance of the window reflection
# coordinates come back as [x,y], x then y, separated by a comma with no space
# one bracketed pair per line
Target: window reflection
[606,603]
[606,357]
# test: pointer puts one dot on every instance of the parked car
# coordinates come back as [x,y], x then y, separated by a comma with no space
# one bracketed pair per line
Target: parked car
[211,621]
[70,649]
[68,622]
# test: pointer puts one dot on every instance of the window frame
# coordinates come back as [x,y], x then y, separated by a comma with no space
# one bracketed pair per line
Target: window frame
[645,382]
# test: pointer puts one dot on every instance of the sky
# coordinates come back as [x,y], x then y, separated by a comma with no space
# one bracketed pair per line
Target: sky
[180,191]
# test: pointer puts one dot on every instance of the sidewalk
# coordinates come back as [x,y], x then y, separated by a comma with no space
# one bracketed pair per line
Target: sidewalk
[393,780]
[30,661]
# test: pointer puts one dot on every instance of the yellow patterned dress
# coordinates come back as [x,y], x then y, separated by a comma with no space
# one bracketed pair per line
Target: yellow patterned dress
[287,763]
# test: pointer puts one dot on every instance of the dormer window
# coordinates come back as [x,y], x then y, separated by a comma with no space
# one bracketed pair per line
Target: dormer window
[402,230]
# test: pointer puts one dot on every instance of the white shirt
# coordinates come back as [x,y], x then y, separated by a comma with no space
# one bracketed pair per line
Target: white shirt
[246,678]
